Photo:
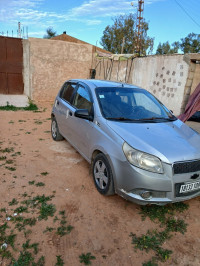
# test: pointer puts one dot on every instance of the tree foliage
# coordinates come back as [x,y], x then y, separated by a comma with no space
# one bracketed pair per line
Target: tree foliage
[124,26]
[166,48]
[191,43]
[49,33]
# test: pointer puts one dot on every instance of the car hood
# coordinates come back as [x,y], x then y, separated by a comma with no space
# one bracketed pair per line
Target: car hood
[170,141]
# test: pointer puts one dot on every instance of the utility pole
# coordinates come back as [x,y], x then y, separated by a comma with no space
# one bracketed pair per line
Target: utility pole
[139,24]
[19,30]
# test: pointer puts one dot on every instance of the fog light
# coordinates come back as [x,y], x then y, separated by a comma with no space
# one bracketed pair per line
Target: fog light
[147,195]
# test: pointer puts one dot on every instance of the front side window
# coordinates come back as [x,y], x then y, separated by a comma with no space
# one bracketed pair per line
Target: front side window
[131,104]
[67,91]
[82,99]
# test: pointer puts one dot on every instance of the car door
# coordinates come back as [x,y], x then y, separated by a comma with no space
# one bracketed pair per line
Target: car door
[62,105]
[81,129]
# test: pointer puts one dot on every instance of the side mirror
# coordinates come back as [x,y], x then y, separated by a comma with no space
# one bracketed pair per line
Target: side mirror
[84,114]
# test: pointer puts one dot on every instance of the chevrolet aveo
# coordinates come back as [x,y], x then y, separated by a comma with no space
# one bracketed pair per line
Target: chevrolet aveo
[136,146]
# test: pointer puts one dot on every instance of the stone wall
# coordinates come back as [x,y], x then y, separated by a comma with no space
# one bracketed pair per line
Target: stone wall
[47,64]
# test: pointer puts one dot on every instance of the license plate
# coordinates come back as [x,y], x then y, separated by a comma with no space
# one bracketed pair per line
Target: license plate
[189,187]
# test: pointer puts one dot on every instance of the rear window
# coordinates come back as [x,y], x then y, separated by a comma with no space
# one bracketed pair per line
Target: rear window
[67,91]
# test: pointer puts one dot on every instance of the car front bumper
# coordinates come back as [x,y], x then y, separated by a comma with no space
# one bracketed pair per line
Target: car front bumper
[144,187]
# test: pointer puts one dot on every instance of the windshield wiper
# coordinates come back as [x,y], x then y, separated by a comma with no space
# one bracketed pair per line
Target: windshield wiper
[158,118]
[120,118]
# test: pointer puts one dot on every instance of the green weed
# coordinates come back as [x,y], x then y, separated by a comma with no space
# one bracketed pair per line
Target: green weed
[86,258]
[7,150]
[38,122]
[11,168]
[160,213]
[16,153]
[9,161]
[25,259]
[153,240]
[21,209]
[48,229]
[33,246]
[40,184]
[59,261]
[44,173]
[46,210]
[13,202]
[8,107]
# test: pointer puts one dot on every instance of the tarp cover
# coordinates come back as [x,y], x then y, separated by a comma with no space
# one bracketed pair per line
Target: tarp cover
[192,106]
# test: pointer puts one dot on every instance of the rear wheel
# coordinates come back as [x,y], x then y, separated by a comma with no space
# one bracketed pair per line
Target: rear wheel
[102,175]
[55,131]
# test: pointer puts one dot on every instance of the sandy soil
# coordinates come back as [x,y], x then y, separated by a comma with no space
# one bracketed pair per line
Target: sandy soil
[101,225]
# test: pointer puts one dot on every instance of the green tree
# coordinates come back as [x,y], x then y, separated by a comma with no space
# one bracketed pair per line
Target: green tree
[124,26]
[191,43]
[166,48]
[176,46]
[49,33]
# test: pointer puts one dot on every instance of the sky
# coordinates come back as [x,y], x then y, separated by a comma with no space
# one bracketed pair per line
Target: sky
[169,20]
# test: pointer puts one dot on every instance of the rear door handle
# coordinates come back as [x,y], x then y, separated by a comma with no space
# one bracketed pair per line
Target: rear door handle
[58,102]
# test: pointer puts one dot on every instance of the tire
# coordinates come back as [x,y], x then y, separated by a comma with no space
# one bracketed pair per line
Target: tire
[102,175]
[55,131]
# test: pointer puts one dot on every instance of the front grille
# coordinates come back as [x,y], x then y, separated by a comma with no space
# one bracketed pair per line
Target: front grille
[186,167]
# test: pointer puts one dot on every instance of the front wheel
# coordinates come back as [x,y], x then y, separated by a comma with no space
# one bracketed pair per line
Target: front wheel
[55,131]
[102,175]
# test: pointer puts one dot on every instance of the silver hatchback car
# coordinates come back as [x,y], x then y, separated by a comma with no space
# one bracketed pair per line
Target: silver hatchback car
[136,146]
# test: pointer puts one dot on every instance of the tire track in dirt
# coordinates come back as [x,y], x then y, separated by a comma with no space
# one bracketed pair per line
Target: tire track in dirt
[66,245]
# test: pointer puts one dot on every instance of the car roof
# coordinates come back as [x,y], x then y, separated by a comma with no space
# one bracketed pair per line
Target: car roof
[94,83]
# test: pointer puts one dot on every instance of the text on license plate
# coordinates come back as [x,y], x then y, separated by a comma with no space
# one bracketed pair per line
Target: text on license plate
[189,187]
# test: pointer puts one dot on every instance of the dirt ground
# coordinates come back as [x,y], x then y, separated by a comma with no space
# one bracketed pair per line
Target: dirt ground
[37,165]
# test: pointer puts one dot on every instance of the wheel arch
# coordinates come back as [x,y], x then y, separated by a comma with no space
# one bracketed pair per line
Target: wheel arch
[98,151]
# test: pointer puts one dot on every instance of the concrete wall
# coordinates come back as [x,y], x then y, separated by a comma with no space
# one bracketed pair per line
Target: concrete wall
[47,64]
[196,78]
[169,77]
[163,76]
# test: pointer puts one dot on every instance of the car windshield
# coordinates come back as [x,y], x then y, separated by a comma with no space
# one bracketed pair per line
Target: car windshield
[132,104]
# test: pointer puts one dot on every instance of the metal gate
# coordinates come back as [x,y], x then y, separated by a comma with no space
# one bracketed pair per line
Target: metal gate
[11,66]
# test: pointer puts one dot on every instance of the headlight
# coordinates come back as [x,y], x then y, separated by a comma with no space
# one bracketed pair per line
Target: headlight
[142,160]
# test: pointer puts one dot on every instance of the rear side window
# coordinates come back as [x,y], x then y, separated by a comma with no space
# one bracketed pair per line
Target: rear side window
[82,99]
[67,91]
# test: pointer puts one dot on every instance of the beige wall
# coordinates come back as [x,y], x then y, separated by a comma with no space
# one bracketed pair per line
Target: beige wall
[49,63]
